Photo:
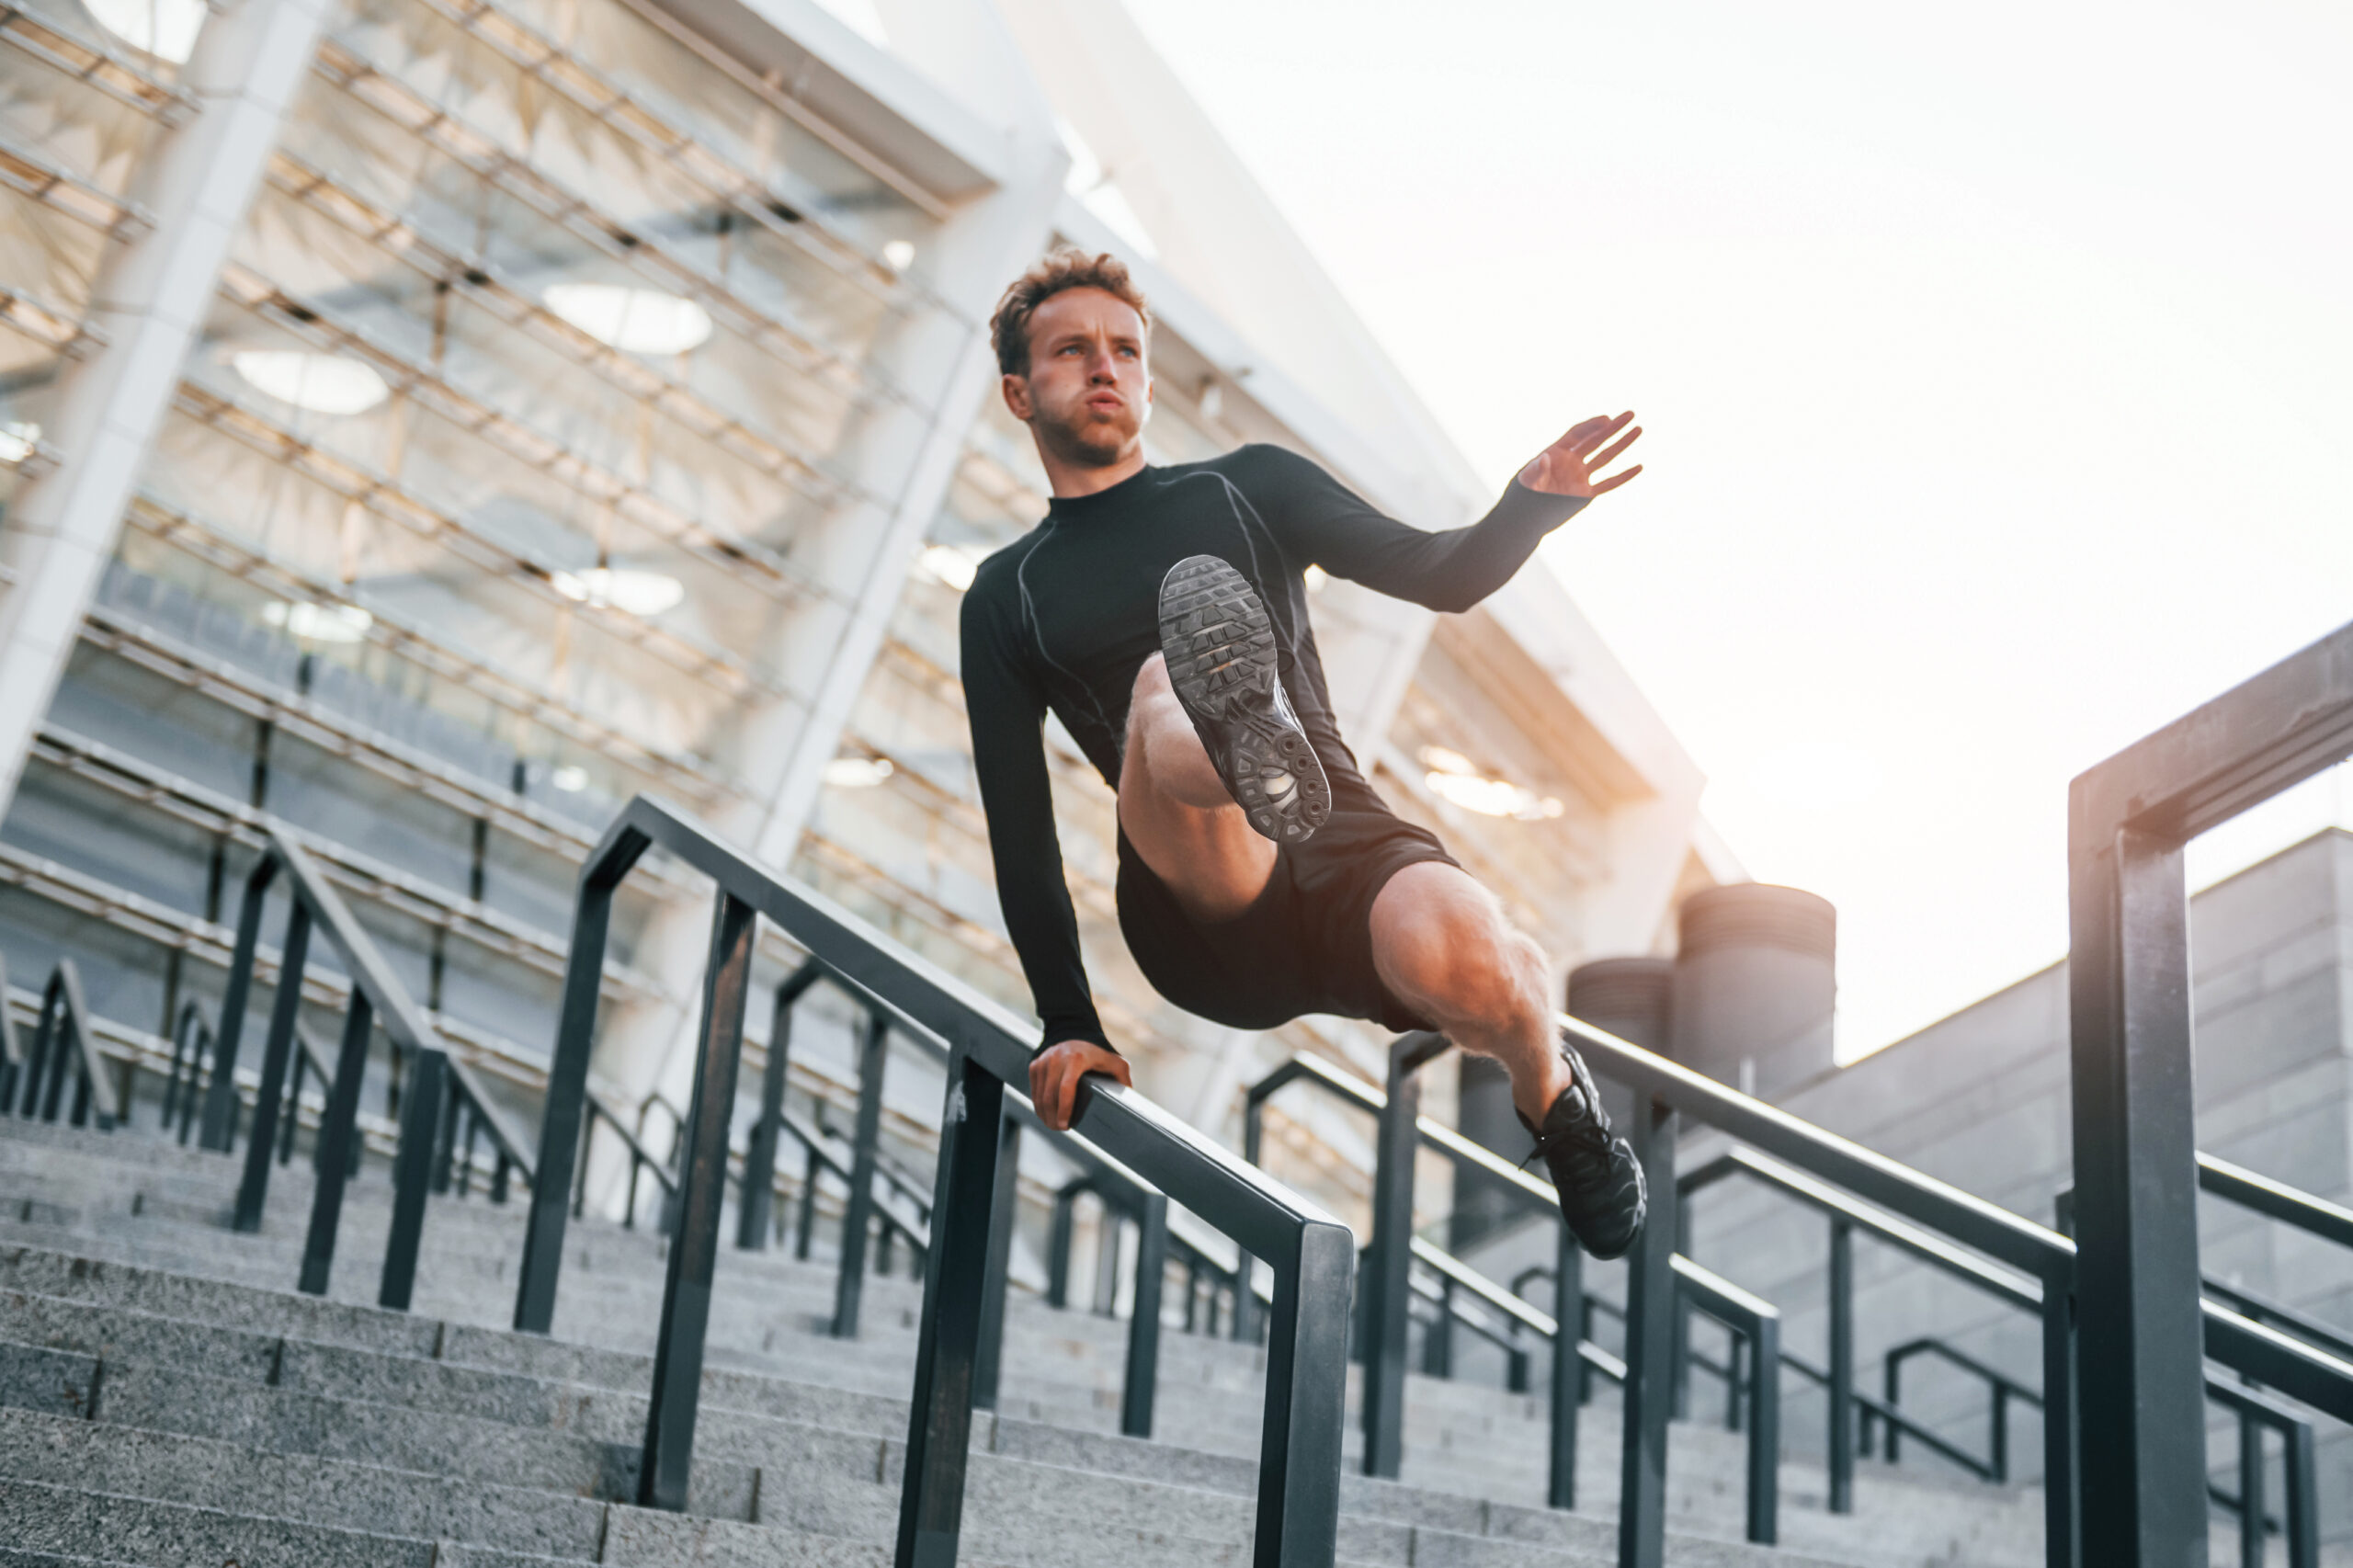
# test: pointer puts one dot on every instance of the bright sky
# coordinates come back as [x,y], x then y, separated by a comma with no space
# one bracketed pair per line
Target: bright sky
[1996,363]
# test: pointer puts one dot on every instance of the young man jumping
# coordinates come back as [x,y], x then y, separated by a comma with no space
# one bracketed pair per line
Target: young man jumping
[1161,613]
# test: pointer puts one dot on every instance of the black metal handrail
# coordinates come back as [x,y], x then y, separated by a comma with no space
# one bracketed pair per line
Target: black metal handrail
[377,999]
[1298,1511]
[2300,1520]
[2024,1264]
[2131,1097]
[62,1047]
[597,1108]
[191,1043]
[2252,1411]
[1386,1276]
[12,1058]
[2277,1201]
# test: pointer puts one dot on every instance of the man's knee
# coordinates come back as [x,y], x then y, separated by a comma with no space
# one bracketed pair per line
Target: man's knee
[1456,956]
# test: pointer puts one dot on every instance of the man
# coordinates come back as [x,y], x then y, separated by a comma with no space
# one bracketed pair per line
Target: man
[1161,614]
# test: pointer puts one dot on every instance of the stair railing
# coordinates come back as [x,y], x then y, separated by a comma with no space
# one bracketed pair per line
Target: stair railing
[598,1109]
[64,1047]
[2255,1413]
[2022,1263]
[2252,1413]
[1385,1278]
[988,1053]
[12,1056]
[191,1044]
[377,1000]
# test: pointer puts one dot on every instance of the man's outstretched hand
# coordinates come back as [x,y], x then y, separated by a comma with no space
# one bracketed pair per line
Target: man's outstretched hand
[1568,465]
[1054,1073]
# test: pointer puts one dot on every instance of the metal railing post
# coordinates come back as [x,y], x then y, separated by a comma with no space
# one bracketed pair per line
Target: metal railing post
[221,1101]
[1246,1299]
[2253,1493]
[1681,1355]
[1299,1443]
[1568,1367]
[857,1215]
[2303,1499]
[756,1196]
[1842,1366]
[1143,1319]
[1388,1263]
[1003,1211]
[1438,1339]
[1650,1347]
[253,1192]
[1059,1237]
[2061,1502]
[939,1418]
[1998,1435]
[428,1085]
[1764,1431]
[565,1104]
[1891,1395]
[702,1187]
[804,1223]
[338,1131]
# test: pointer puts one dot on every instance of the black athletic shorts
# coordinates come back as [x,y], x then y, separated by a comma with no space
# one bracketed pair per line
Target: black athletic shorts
[1304,946]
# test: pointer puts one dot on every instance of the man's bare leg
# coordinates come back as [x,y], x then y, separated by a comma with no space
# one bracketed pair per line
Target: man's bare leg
[1442,946]
[1177,812]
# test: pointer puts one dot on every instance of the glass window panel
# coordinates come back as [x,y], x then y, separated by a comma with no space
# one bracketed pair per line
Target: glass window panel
[74,125]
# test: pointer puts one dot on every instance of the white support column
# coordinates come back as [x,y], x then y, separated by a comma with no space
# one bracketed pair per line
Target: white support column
[150,302]
[980,252]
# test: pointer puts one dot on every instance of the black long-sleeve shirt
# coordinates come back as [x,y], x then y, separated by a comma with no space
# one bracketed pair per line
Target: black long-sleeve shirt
[1062,618]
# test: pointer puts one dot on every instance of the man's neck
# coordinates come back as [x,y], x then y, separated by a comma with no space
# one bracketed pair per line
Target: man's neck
[1068,479]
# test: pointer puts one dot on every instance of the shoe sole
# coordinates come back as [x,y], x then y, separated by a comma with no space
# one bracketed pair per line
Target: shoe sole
[1219,646]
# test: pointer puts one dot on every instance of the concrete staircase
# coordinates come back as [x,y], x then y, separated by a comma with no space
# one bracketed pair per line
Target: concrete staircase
[166,1400]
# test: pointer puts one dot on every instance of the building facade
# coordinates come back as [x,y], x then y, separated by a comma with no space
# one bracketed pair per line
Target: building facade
[426,424]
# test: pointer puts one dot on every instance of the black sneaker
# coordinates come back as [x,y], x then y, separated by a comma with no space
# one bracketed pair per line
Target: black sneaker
[1602,1195]
[1220,651]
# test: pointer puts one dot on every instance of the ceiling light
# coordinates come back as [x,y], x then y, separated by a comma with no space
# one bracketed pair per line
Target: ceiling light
[571,778]
[320,623]
[623,588]
[322,383]
[1454,777]
[1315,577]
[17,440]
[950,565]
[899,254]
[165,28]
[858,772]
[636,321]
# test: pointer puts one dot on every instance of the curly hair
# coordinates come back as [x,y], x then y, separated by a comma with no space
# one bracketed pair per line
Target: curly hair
[1066,267]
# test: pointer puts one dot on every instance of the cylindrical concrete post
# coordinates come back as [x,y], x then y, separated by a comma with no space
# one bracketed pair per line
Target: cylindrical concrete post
[1632,998]
[1755,987]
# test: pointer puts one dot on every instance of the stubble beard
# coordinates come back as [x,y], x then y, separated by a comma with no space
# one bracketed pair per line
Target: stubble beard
[1086,441]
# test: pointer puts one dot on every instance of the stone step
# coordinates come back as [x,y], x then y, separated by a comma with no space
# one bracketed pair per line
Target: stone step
[356,1378]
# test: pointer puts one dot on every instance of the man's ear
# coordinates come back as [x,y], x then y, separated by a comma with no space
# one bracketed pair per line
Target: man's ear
[1016,395]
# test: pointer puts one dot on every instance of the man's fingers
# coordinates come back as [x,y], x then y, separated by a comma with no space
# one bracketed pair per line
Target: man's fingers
[1066,1093]
[1614,481]
[1595,431]
[1616,447]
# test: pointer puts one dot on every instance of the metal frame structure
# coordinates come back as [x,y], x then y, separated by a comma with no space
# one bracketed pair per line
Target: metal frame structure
[2031,1267]
[2135,1134]
[377,998]
[1311,1254]
[63,1046]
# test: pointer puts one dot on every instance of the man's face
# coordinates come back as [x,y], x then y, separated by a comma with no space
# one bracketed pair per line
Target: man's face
[1088,388]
